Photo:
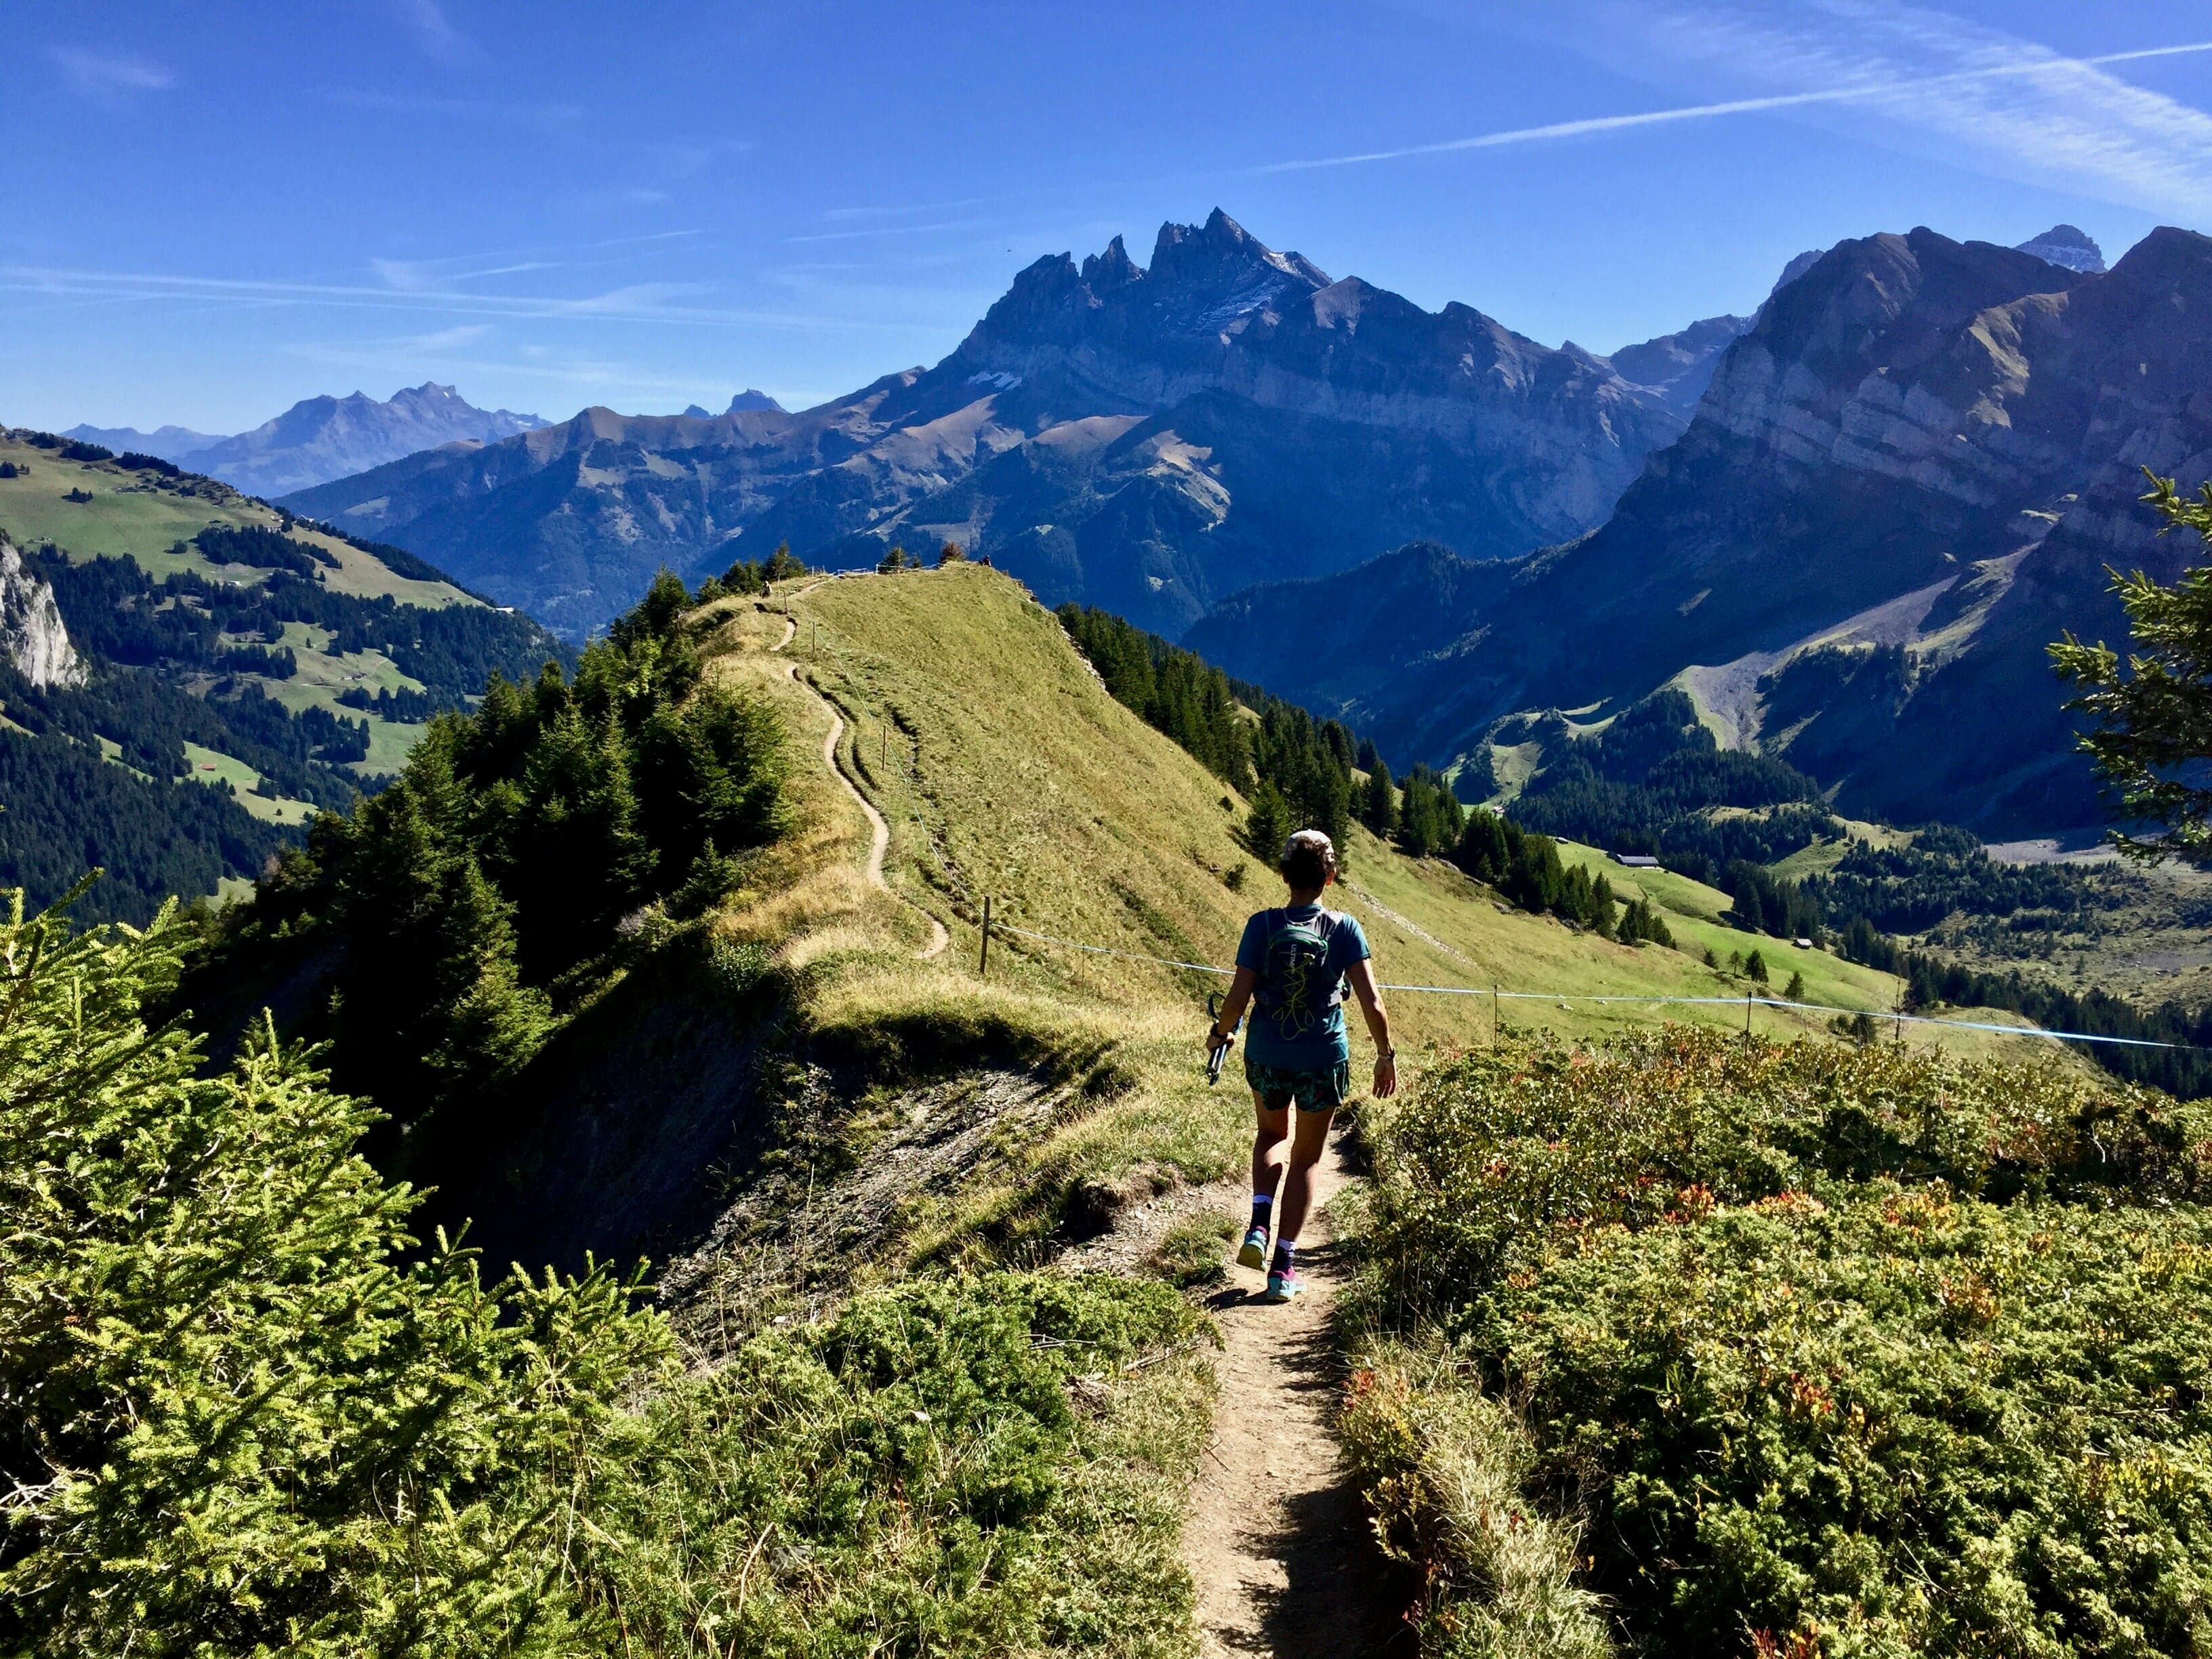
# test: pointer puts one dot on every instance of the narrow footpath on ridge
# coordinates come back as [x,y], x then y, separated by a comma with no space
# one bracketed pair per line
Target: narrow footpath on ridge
[879,832]
[1277,1539]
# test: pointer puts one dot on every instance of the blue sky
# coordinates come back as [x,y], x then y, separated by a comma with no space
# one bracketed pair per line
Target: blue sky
[215,210]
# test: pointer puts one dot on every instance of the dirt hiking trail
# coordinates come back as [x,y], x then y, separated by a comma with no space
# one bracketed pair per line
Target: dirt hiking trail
[879,833]
[1277,1540]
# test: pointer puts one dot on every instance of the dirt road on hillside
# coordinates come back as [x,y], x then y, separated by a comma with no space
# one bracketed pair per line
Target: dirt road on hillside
[1277,1540]
[879,832]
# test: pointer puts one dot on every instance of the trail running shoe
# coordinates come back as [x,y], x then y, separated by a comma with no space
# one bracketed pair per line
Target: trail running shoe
[1282,1286]
[1254,1253]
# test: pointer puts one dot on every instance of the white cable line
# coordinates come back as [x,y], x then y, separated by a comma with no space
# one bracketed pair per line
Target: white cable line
[1587,996]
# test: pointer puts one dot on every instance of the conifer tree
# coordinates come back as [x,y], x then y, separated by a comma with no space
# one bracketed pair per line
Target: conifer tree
[2155,726]
[1603,912]
[1378,806]
[241,1410]
[1268,826]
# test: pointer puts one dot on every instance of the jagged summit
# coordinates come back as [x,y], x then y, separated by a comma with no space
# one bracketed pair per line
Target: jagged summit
[1219,247]
[753,400]
[2068,245]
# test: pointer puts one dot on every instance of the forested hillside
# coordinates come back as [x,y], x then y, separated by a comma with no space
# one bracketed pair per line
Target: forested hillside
[438,934]
[241,670]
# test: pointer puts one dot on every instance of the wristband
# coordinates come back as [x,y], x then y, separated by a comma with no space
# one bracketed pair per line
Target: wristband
[1381,1054]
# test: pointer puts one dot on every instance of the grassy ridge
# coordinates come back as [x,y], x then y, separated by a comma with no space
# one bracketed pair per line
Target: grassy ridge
[1003,767]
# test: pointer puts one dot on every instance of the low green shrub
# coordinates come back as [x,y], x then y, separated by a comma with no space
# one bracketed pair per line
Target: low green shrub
[1448,1469]
[1831,1350]
[243,1411]
[1506,1150]
[947,1467]
[1914,1424]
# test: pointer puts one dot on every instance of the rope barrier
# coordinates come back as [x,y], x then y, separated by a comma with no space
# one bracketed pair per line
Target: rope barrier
[1653,1001]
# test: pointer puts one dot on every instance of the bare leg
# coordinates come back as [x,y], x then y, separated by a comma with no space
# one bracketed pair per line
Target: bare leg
[1306,1149]
[1273,1128]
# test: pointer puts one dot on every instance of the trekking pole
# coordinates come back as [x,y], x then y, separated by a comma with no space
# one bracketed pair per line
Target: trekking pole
[1220,1050]
[984,968]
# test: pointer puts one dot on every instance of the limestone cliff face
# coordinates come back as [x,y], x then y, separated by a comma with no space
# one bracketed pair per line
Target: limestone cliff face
[32,635]
[1904,481]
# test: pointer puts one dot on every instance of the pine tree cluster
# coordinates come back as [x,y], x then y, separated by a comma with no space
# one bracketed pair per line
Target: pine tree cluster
[1526,868]
[1295,770]
[462,913]
[752,576]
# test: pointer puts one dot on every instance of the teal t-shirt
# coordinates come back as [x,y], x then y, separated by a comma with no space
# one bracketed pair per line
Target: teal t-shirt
[1297,1021]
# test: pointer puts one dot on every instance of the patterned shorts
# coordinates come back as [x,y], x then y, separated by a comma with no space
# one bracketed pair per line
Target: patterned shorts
[1323,1089]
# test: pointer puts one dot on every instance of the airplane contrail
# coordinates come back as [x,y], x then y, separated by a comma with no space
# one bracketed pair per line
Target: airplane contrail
[1732,106]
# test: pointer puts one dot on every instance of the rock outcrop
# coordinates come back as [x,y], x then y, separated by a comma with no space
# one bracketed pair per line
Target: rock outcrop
[32,636]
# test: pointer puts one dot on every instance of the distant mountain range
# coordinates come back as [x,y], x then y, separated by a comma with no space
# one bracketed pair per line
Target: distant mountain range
[1147,438]
[1847,524]
[319,439]
[1904,481]
[168,443]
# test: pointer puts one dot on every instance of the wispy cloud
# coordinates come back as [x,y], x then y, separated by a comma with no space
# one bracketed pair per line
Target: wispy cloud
[889,230]
[835,214]
[1983,93]
[434,31]
[107,81]
[417,275]
[669,303]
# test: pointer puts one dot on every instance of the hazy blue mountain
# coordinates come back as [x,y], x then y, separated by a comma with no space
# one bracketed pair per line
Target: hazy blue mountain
[319,439]
[168,443]
[751,400]
[1679,367]
[1149,438]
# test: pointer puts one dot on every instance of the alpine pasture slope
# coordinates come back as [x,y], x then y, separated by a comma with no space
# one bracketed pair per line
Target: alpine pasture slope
[1005,769]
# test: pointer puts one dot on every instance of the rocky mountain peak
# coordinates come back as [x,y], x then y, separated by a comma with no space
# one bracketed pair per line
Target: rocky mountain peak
[1222,254]
[2068,245]
[1797,267]
[1113,268]
[753,400]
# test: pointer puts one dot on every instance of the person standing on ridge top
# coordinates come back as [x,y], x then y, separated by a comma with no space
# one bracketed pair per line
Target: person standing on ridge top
[1292,965]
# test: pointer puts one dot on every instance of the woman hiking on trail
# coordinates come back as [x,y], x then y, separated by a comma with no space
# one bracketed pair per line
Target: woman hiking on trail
[1292,964]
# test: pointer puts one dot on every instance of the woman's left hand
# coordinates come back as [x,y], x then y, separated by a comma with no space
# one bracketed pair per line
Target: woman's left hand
[1386,1076]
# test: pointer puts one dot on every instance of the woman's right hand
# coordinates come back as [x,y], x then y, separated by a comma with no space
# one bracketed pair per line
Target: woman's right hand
[1386,1076]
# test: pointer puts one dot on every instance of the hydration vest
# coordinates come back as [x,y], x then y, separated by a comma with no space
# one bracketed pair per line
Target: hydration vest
[1292,963]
